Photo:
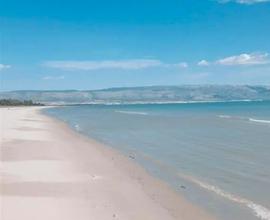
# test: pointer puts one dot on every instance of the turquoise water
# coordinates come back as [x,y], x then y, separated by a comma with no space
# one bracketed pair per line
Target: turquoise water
[216,154]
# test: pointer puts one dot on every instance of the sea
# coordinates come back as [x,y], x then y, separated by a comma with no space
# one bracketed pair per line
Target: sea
[215,154]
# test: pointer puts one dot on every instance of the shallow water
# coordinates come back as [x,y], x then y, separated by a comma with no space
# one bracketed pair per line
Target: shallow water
[216,154]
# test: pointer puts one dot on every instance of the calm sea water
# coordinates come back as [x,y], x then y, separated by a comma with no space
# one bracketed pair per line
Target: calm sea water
[216,154]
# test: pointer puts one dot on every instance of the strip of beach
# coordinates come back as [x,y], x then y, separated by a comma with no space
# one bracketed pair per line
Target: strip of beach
[50,172]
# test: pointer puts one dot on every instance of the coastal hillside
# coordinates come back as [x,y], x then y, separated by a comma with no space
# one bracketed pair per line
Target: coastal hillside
[150,94]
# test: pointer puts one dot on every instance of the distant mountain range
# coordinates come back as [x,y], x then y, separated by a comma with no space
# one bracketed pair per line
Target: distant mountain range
[152,94]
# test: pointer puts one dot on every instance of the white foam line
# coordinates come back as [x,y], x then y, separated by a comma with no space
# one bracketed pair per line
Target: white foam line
[225,116]
[149,102]
[132,112]
[257,209]
[77,127]
[259,121]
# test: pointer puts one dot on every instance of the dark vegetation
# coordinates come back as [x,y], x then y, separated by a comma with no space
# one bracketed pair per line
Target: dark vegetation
[15,102]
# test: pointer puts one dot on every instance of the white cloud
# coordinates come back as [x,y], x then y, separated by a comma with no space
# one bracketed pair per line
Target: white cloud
[203,63]
[245,59]
[133,64]
[107,64]
[4,66]
[182,64]
[53,77]
[247,2]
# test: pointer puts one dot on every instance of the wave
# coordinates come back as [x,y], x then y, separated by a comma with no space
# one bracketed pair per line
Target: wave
[246,119]
[132,112]
[224,116]
[77,127]
[149,102]
[257,209]
[259,120]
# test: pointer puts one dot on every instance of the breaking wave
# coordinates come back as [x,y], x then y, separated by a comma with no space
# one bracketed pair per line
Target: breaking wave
[259,120]
[245,119]
[132,112]
[225,116]
[258,210]
[77,127]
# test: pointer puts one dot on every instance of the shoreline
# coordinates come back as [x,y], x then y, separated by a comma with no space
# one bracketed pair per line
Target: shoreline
[87,179]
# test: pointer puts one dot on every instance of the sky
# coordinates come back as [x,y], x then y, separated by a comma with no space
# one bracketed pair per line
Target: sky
[94,44]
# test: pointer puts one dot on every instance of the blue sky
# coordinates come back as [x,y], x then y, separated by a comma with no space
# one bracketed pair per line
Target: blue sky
[98,44]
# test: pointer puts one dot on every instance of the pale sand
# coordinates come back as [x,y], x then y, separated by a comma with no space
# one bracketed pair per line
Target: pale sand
[50,172]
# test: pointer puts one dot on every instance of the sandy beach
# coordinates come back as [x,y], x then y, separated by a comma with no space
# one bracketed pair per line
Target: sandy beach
[48,171]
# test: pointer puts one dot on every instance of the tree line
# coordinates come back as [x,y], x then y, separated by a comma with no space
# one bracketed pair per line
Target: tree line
[16,102]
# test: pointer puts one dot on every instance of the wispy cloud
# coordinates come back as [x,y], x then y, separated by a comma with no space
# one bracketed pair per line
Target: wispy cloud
[182,65]
[203,63]
[245,59]
[4,66]
[247,2]
[133,64]
[107,64]
[53,77]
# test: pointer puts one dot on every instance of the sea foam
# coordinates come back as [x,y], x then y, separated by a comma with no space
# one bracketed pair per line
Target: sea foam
[258,210]
[132,112]
[225,116]
[77,127]
[259,120]
[245,119]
